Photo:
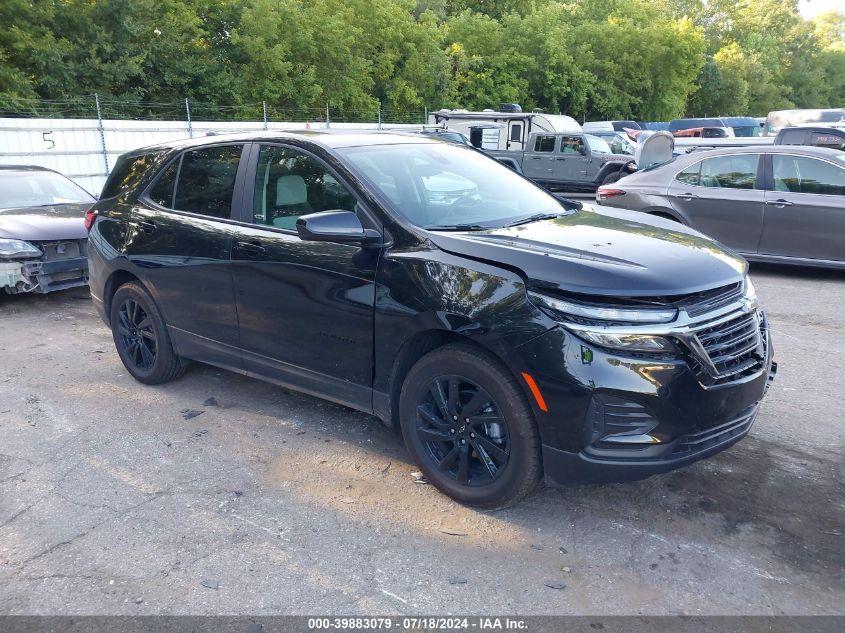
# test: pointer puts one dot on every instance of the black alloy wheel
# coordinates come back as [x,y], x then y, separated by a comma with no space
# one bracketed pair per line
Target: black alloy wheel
[136,335]
[463,431]
[141,337]
[468,425]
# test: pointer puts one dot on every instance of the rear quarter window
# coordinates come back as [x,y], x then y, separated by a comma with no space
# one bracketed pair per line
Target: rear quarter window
[127,173]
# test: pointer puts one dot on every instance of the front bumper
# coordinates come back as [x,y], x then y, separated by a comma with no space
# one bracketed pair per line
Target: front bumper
[662,405]
[64,264]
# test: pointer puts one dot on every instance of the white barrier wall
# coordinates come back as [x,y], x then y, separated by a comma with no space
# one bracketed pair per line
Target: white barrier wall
[85,151]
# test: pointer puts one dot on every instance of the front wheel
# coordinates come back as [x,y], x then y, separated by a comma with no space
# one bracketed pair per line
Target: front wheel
[469,427]
[611,178]
[140,336]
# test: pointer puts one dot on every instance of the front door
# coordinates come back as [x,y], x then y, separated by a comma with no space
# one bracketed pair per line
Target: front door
[179,241]
[722,197]
[305,309]
[571,160]
[805,212]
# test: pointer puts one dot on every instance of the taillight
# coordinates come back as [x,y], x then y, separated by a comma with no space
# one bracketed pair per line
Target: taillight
[90,216]
[605,193]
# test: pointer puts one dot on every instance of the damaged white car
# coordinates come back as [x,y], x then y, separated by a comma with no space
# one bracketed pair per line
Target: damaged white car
[42,231]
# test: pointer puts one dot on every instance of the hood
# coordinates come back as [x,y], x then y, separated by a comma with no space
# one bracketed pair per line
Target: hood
[653,148]
[603,251]
[52,222]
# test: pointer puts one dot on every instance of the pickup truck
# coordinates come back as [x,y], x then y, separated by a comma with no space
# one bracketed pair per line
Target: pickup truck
[567,161]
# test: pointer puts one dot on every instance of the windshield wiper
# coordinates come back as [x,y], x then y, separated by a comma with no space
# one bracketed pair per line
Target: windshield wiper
[456,227]
[534,218]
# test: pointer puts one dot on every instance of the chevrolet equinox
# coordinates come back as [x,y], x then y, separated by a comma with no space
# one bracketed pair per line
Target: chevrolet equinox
[510,335]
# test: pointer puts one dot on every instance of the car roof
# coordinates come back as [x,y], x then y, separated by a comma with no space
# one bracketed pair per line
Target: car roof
[24,168]
[327,138]
[808,150]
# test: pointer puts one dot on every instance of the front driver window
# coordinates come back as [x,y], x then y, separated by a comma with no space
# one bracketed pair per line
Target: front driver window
[289,183]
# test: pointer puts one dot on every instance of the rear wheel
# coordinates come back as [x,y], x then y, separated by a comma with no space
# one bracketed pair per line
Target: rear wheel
[469,427]
[140,336]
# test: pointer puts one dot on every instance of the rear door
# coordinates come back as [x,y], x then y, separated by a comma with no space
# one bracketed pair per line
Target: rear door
[805,209]
[539,161]
[179,240]
[722,196]
[305,309]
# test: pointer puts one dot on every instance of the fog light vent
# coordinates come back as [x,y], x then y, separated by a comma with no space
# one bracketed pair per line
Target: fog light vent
[616,422]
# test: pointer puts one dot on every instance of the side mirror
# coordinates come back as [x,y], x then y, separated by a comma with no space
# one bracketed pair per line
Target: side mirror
[582,149]
[342,227]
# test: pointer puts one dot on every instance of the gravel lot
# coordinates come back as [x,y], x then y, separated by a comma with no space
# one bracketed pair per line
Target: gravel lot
[115,500]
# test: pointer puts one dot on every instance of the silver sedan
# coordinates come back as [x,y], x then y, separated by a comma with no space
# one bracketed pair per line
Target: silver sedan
[780,203]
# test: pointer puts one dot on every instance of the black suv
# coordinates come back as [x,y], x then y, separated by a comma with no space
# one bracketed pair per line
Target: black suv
[508,334]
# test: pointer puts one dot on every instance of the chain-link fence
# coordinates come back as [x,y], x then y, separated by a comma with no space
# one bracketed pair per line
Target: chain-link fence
[185,109]
[82,137]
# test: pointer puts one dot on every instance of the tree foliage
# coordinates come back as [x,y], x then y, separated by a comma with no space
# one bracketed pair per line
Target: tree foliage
[645,59]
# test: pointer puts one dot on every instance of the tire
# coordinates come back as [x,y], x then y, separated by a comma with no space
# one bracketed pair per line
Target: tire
[611,178]
[500,448]
[140,336]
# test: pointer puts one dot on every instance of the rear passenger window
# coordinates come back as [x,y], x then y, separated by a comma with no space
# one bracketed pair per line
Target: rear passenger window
[690,175]
[797,174]
[729,172]
[164,188]
[127,173]
[544,144]
[201,181]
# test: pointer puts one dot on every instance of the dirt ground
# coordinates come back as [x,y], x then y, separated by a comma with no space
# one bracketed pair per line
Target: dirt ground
[219,494]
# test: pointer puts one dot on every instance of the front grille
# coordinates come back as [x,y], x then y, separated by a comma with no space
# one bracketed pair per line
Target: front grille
[715,435]
[708,300]
[734,348]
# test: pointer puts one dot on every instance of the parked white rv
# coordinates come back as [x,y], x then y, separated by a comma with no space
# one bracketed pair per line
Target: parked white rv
[493,130]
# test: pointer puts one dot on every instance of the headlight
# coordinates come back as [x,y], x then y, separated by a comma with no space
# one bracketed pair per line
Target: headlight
[605,313]
[630,342]
[17,248]
[749,293]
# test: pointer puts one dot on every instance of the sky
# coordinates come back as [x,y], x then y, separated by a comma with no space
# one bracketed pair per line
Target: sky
[811,8]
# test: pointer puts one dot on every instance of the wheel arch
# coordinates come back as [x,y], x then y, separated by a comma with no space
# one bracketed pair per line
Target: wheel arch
[117,279]
[666,213]
[427,341]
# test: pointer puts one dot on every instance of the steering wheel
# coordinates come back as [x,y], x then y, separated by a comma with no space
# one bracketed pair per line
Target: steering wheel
[463,199]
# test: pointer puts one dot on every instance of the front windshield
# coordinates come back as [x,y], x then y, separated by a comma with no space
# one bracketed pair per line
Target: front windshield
[443,186]
[598,144]
[748,131]
[38,188]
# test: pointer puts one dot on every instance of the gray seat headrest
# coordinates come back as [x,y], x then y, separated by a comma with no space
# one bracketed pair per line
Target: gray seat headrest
[291,190]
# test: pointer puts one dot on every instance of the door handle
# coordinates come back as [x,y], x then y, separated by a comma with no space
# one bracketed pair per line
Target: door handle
[536,158]
[147,226]
[686,196]
[781,203]
[251,248]
[561,158]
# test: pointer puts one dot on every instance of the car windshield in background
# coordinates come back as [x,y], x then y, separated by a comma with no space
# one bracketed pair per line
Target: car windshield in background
[749,131]
[598,144]
[37,189]
[446,186]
